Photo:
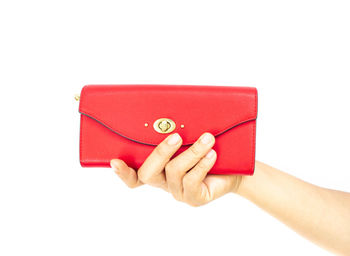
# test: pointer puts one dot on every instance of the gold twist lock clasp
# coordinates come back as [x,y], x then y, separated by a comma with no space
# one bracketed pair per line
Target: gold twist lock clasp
[164,125]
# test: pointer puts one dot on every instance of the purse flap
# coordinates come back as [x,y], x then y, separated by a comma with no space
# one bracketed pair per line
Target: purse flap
[131,110]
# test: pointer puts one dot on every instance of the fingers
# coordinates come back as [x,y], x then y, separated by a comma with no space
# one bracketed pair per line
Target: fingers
[195,191]
[185,176]
[176,169]
[126,173]
[195,177]
[152,170]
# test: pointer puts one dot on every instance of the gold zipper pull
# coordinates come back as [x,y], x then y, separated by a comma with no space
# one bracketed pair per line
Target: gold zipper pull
[77,97]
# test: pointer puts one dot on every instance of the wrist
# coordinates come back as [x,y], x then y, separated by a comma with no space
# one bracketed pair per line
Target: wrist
[244,185]
[236,183]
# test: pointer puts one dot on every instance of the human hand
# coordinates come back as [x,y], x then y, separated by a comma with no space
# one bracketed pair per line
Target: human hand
[185,176]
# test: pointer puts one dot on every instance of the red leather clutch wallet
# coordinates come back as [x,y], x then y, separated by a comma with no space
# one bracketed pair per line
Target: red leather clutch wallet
[128,121]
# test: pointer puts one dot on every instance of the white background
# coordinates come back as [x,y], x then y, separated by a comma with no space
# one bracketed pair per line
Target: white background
[295,52]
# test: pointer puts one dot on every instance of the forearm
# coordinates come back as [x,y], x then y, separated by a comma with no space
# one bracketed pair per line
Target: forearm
[319,214]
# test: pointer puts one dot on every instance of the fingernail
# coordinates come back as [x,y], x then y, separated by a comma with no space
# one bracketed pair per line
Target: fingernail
[174,139]
[210,154]
[206,138]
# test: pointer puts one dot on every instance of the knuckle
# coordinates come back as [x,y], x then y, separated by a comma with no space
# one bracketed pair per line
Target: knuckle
[143,177]
[161,150]
[195,150]
[202,164]
[194,203]
[176,197]
[131,185]
[169,167]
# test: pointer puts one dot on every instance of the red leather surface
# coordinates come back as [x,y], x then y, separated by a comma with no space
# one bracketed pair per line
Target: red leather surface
[113,118]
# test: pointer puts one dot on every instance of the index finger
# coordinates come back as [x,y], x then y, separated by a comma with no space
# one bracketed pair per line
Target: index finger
[152,169]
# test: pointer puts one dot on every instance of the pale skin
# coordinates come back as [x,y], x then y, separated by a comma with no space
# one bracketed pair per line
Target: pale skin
[319,214]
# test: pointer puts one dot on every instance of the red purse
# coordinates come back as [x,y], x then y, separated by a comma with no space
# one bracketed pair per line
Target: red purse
[128,121]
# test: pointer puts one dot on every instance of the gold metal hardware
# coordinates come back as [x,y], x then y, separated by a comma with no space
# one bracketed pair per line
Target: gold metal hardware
[164,125]
[146,124]
[182,126]
[77,97]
